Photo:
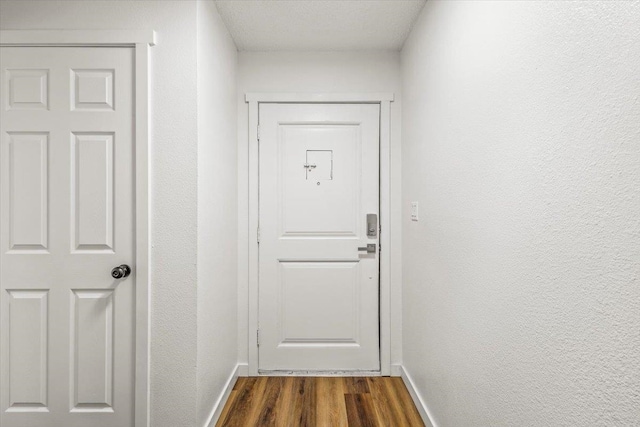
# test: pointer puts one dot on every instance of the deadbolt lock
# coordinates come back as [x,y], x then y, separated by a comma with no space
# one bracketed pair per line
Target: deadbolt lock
[372,226]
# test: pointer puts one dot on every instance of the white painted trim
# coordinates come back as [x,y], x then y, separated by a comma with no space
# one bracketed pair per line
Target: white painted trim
[385,237]
[351,98]
[143,267]
[243,370]
[284,373]
[384,99]
[218,406]
[253,238]
[140,41]
[77,37]
[396,370]
[425,414]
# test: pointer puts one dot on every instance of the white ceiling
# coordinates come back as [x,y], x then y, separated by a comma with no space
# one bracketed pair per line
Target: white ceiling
[319,24]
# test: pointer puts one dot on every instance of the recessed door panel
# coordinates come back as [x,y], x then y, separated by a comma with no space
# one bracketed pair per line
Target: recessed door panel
[318,292]
[320,169]
[319,303]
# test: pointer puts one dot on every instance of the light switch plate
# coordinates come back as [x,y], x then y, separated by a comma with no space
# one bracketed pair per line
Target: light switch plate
[414,211]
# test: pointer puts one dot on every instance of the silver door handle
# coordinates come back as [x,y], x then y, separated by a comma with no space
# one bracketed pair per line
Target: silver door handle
[370,248]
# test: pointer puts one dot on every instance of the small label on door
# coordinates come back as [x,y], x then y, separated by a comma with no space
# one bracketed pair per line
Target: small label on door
[319,165]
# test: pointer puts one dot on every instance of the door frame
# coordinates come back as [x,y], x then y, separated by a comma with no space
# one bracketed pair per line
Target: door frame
[382,99]
[140,41]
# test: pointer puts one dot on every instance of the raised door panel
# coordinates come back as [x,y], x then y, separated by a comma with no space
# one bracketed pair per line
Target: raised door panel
[28,89]
[92,90]
[92,351]
[92,224]
[27,387]
[28,191]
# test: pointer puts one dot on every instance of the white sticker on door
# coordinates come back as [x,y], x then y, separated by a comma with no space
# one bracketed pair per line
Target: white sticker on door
[319,165]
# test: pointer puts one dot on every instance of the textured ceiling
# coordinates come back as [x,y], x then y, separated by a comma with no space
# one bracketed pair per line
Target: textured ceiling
[319,24]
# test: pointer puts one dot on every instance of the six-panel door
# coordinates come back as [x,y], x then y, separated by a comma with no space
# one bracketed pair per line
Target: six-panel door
[67,198]
[318,293]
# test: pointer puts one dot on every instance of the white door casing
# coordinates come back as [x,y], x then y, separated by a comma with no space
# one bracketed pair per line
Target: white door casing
[248,249]
[318,294]
[74,341]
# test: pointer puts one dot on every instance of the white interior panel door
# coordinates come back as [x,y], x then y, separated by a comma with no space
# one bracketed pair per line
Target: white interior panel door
[67,205]
[319,182]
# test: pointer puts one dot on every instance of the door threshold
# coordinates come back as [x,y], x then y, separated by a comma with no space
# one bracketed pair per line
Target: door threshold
[317,373]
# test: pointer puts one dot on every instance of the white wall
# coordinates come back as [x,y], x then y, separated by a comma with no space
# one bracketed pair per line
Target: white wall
[317,72]
[177,399]
[521,141]
[217,201]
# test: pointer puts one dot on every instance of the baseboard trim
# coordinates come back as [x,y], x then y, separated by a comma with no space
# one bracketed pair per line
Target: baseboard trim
[243,369]
[426,415]
[222,399]
[396,370]
[314,373]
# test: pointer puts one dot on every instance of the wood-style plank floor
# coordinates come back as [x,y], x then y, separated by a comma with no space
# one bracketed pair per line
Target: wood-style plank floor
[320,402]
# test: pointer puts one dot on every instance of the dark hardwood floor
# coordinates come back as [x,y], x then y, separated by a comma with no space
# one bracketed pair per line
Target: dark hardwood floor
[319,401]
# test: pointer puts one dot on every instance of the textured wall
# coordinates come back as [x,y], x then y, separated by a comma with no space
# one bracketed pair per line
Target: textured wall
[173,178]
[521,141]
[217,202]
[320,72]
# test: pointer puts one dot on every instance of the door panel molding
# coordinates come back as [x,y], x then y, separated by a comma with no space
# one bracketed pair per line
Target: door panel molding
[140,41]
[384,100]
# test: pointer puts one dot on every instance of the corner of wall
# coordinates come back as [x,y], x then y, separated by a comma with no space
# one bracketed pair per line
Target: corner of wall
[217,224]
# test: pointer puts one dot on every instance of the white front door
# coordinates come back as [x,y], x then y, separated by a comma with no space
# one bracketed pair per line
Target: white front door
[67,210]
[319,203]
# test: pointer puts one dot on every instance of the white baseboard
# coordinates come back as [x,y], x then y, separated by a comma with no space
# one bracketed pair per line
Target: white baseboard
[243,369]
[396,370]
[426,415]
[222,399]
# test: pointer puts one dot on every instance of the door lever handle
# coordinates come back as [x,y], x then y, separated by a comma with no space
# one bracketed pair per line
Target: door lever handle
[370,248]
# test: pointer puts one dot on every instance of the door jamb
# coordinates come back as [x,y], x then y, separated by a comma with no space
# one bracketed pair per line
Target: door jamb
[140,41]
[384,100]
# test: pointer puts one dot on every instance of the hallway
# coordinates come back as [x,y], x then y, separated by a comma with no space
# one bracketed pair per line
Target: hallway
[198,197]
